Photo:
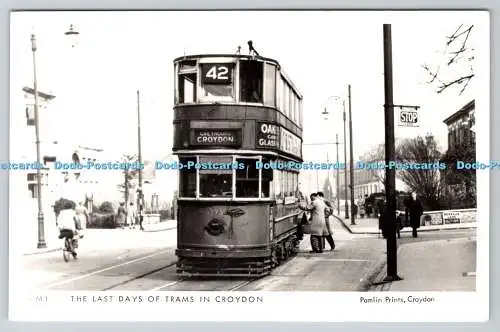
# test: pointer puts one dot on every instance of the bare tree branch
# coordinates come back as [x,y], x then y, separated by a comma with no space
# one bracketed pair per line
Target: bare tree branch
[457,56]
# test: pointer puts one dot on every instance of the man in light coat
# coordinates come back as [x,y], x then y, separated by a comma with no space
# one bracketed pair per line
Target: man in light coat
[317,226]
[328,213]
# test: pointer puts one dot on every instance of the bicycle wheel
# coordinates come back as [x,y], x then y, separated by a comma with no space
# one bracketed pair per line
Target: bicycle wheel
[67,250]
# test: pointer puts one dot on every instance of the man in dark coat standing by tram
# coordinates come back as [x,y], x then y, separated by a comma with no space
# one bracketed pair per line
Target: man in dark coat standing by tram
[328,213]
[414,210]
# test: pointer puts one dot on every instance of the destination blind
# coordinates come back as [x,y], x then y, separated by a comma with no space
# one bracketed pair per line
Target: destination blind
[217,137]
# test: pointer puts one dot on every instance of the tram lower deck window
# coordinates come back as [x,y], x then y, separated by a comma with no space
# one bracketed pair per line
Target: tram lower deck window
[216,182]
[247,179]
[187,178]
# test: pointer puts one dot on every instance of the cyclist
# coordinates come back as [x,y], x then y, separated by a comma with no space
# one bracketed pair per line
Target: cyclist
[69,224]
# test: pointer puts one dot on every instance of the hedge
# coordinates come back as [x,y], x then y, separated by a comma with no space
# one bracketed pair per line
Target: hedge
[102,220]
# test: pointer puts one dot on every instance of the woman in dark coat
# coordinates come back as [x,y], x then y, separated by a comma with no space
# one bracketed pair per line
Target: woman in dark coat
[414,210]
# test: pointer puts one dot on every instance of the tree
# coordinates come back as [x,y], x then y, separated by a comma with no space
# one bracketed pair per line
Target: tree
[376,155]
[424,182]
[459,55]
[128,176]
[461,181]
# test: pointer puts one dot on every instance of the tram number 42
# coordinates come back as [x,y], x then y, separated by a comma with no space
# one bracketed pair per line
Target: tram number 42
[217,73]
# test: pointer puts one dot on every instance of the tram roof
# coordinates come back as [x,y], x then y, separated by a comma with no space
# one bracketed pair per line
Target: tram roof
[240,56]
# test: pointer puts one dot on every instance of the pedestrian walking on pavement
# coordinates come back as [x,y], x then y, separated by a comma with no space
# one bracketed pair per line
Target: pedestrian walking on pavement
[328,213]
[414,210]
[121,215]
[82,214]
[317,226]
[140,207]
[131,215]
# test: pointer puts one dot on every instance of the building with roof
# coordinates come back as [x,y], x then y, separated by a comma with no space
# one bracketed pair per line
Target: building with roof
[461,125]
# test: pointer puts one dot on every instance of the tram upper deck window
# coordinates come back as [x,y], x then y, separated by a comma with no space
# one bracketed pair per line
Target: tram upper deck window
[251,77]
[187,88]
[186,84]
[216,182]
[187,179]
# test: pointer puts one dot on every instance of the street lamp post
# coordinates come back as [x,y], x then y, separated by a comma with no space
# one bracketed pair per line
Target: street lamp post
[41,228]
[337,180]
[140,198]
[325,112]
[345,163]
[351,166]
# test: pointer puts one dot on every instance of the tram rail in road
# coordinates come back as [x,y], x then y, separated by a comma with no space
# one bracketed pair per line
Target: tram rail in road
[147,280]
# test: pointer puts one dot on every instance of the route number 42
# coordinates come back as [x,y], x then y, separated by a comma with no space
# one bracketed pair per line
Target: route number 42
[218,73]
[215,73]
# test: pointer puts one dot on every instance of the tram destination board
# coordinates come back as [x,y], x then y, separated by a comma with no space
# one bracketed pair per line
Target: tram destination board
[216,137]
[217,73]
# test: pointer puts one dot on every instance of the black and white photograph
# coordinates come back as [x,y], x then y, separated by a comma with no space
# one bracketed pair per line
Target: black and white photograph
[271,158]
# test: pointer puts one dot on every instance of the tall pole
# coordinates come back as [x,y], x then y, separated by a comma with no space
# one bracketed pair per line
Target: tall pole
[139,137]
[345,167]
[140,200]
[317,181]
[337,180]
[41,229]
[328,178]
[390,152]
[351,166]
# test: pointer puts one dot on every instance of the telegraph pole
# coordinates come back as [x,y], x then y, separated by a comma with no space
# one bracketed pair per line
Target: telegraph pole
[140,200]
[337,180]
[390,153]
[351,166]
[345,166]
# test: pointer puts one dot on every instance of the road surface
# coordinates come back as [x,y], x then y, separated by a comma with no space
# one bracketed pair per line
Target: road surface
[148,264]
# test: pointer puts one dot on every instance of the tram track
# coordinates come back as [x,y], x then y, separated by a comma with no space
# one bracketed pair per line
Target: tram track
[148,280]
[141,276]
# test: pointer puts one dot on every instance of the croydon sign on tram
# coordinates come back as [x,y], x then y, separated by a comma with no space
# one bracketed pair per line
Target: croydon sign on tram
[223,137]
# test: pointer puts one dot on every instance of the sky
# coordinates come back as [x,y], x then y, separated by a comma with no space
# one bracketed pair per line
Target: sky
[118,53]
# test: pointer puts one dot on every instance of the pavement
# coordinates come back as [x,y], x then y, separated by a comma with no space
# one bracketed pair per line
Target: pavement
[441,265]
[370,226]
[106,238]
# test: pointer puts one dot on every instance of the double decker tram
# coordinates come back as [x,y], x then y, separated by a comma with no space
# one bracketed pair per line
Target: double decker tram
[236,117]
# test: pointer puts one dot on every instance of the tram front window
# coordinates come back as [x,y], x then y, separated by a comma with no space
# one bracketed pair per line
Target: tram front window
[214,90]
[216,182]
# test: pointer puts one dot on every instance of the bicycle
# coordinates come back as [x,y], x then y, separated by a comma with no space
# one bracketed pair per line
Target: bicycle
[70,245]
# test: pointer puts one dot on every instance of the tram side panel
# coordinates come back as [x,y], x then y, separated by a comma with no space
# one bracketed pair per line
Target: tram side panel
[219,230]
[286,220]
